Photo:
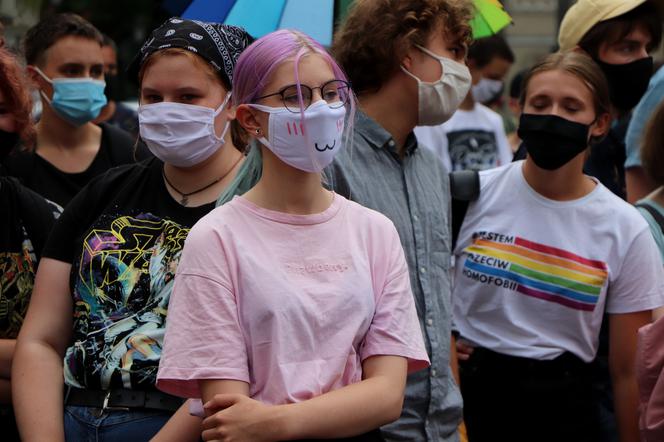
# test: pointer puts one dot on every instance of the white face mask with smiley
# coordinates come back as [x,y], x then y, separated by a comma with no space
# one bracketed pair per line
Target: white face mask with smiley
[308,144]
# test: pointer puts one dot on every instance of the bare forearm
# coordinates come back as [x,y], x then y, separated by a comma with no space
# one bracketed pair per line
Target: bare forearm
[37,389]
[6,355]
[454,361]
[181,427]
[346,412]
[349,411]
[623,332]
[626,405]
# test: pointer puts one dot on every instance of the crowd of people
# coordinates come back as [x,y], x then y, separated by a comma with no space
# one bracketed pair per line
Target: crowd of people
[265,250]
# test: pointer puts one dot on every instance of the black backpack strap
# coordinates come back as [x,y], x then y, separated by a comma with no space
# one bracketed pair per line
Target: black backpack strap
[464,188]
[654,213]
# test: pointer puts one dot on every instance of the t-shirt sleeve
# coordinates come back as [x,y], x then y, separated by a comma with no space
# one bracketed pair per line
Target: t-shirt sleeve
[639,285]
[81,212]
[394,329]
[655,229]
[61,243]
[203,337]
[640,117]
[37,215]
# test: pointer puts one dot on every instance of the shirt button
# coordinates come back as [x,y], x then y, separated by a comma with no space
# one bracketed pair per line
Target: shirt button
[391,143]
[430,321]
[434,373]
[423,270]
[415,217]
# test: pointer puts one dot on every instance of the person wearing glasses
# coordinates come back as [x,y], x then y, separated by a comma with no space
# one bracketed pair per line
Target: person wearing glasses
[292,315]
[97,316]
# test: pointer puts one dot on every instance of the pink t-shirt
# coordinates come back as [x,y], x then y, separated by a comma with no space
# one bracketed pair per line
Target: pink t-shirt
[291,304]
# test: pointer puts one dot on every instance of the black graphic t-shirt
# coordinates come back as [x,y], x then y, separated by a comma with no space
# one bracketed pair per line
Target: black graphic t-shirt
[24,226]
[123,235]
[472,149]
[471,140]
[116,149]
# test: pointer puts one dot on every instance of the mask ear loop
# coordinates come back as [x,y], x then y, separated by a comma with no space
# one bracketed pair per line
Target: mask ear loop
[268,110]
[41,91]
[228,122]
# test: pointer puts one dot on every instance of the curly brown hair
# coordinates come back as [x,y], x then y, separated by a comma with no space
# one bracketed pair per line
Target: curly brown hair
[16,94]
[376,35]
[652,147]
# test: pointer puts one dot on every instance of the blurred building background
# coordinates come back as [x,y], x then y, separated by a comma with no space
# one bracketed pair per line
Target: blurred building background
[532,35]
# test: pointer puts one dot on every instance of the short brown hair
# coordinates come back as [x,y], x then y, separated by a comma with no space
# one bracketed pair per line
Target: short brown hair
[615,29]
[49,30]
[652,147]
[581,66]
[238,134]
[15,90]
[377,33]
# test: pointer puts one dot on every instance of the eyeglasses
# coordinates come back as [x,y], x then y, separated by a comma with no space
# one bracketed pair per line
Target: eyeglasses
[335,92]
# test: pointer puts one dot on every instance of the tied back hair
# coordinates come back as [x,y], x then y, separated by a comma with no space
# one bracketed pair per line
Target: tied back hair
[252,74]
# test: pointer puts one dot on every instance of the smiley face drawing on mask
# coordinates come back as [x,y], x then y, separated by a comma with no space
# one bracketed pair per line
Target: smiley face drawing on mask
[308,145]
[327,147]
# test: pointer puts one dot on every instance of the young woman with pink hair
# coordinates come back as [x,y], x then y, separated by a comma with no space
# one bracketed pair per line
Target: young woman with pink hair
[292,316]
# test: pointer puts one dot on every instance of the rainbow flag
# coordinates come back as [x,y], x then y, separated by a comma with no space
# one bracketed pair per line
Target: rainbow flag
[535,270]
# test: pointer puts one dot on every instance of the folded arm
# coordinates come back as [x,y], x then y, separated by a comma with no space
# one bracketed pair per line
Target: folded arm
[348,411]
[37,376]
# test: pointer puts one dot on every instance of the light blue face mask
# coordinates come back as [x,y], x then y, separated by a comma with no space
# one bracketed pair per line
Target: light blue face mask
[77,100]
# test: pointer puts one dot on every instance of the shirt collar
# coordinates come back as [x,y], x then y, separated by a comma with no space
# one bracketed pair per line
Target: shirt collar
[378,137]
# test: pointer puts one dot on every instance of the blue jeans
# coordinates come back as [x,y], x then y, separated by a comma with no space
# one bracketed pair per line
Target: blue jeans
[84,424]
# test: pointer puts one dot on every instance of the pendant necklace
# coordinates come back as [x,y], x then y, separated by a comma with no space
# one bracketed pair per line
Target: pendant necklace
[184,200]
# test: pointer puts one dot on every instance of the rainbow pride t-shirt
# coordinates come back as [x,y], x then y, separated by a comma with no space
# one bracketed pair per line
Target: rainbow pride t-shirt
[534,276]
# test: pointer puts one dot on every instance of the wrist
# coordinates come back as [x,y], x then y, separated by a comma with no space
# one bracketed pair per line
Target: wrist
[283,422]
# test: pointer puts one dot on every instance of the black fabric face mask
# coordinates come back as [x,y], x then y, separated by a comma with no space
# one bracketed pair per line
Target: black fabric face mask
[627,82]
[112,89]
[552,141]
[8,141]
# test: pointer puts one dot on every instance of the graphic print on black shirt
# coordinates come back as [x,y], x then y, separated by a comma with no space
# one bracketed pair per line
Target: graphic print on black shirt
[17,278]
[123,235]
[24,225]
[121,292]
[472,149]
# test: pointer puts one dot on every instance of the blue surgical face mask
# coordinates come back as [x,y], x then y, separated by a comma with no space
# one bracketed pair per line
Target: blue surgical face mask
[77,100]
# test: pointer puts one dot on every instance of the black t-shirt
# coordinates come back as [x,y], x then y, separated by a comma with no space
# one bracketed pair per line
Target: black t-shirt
[123,235]
[24,226]
[116,149]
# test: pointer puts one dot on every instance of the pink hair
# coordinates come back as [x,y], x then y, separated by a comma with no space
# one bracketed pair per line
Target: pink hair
[256,64]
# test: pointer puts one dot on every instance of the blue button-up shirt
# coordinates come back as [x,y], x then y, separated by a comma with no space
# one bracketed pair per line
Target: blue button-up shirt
[413,192]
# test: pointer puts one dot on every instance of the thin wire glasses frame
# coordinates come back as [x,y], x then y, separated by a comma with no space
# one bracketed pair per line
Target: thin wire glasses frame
[335,92]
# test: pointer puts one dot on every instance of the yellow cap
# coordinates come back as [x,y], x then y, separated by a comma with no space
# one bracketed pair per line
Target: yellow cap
[584,14]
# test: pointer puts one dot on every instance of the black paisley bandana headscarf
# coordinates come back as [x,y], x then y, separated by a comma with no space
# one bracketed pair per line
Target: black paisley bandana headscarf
[220,45]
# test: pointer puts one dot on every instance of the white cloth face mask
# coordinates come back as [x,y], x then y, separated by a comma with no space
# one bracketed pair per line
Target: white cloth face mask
[487,89]
[438,101]
[180,134]
[308,145]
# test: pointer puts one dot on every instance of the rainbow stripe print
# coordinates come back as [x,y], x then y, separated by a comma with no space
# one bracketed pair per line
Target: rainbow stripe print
[535,270]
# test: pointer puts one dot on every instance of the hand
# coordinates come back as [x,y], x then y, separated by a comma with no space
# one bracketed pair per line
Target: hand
[464,350]
[238,418]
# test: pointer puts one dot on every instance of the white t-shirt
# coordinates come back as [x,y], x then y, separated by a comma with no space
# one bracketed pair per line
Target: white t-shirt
[534,276]
[470,140]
